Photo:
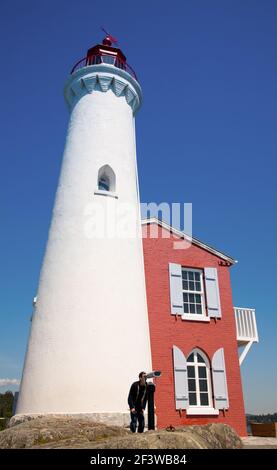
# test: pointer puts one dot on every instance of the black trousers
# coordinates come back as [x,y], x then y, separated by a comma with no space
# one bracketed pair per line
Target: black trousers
[137,417]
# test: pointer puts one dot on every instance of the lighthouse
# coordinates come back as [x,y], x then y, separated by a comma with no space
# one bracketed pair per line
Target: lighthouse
[89,335]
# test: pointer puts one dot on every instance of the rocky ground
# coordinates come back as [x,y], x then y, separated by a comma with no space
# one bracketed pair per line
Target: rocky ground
[62,432]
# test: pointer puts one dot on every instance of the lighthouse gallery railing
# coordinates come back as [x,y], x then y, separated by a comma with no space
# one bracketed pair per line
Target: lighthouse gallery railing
[104,59]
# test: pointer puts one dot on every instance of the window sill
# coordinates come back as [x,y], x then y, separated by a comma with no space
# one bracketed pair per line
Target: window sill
[199,410]
[196,317]
[100,192]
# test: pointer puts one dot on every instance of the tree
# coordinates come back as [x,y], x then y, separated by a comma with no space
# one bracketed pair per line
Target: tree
[6,404]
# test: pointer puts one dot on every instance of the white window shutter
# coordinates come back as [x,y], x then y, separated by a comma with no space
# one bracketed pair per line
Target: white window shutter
[221,400]
[176,289]
[212,293]
[180,379]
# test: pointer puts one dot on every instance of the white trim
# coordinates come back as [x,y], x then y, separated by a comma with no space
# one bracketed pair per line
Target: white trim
[194,241]
[189,291]
[202,410]
[195,317]
[108,52]
[90,74]
[101,192]
[245,308]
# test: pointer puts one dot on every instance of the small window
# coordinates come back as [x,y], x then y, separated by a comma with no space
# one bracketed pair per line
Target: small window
[193,292]
[106,179]
[199,382]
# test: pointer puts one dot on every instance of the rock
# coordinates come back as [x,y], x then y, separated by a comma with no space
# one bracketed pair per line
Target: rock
[49,432]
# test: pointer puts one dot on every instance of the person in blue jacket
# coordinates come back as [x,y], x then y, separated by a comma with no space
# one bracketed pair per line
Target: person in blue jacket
[137,400]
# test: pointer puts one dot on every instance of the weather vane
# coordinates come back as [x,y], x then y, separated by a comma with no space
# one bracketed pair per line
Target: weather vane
[110,38]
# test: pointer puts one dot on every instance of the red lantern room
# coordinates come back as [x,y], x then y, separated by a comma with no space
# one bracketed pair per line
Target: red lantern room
[105,53]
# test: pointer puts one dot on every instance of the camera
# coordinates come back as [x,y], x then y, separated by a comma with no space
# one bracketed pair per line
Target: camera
[153,374]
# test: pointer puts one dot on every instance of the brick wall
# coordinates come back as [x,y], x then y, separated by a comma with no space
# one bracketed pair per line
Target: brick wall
[167,330]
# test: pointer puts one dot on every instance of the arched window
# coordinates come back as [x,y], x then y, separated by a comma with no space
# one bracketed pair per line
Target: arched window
[106,179]
[199,380]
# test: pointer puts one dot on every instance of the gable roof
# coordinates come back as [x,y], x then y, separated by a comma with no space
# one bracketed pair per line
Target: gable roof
[194,241]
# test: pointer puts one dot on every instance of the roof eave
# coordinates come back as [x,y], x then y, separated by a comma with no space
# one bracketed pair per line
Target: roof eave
[195,241]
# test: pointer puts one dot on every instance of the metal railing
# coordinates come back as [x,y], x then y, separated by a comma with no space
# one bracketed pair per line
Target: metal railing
[104,59]
[246,324]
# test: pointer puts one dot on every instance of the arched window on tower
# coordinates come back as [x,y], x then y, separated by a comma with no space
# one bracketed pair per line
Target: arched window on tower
[199,379]
[106,179]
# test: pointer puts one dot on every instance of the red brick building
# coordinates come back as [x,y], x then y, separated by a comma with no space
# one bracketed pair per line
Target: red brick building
[194,331]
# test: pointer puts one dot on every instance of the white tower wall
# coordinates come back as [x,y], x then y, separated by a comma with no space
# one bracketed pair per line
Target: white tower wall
[89,337]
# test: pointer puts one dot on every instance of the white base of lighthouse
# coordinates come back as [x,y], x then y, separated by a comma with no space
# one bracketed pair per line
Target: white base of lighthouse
[111,419]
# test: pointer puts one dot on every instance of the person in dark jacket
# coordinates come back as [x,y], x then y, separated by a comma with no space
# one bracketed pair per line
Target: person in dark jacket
[137,400]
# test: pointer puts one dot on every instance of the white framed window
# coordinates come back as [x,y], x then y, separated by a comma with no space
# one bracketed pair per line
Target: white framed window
[199,380]
[106,179]
[193,292]
[199,389]
[106,182]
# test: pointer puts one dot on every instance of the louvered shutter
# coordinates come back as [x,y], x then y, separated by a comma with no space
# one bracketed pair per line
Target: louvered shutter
[212,293]
[180,379]
[220,381]
[176,291]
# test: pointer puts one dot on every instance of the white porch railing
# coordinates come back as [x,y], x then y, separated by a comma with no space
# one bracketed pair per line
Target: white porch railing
[246,325]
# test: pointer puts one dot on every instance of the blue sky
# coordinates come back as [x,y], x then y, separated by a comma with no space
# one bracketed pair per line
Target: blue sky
[206,134]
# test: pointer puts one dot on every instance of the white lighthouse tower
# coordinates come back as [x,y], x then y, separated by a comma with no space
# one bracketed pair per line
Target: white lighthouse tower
[89,337]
